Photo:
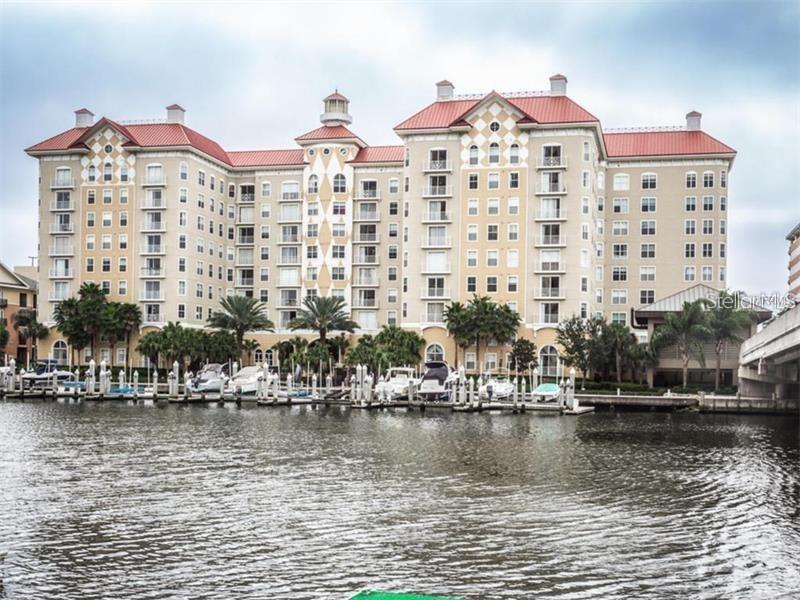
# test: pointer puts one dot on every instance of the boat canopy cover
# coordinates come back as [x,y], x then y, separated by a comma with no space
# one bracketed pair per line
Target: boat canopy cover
[547,388]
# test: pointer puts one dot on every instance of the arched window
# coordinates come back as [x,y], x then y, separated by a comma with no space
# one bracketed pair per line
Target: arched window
[184,171]
[268,357]
[473,155]
[339,184]
[60,352]
[108,170]
[434,352]
[259,354]
[513,154]
[123,172]
[313,184]
[92,174]
[494,153]
[548,361]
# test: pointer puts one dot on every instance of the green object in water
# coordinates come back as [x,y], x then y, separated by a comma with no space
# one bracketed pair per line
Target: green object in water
[377,595]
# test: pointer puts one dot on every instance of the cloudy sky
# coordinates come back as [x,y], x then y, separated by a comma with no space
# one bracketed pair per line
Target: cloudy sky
[252,75]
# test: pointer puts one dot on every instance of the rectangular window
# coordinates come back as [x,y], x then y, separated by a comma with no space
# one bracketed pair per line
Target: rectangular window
[648,251]
[649,181]
[493,206]
[648,205]
[472,207]
[494,181]
[491,284]
[691,180]
[689,226]
[690,203]
[620,205]
[689,250]
[513,181]
[492,233]
[513,232]
[648,227]
[647,297]
[472,284]
[473,181]
[708,203]
[619,228]
[689,273]
[708,226]
[513,206]
[647,273]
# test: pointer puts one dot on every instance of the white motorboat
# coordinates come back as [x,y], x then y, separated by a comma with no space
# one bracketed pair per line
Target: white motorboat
[496,388]
[245,382]
[43,373]
[211,378]
[547,392]
[398,380]
[438,382]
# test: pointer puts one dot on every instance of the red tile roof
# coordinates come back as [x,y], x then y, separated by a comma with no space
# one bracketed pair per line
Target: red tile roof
[62,141]
[337,132]
[539,109]
[267,158]
[380,154]
[663,143]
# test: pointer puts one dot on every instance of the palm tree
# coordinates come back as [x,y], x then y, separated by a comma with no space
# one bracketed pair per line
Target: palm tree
[725,322]
[67,316]
[91,300]
[621,341]
[130,316]
[150,346]
[29,330]
[480,310]
[457,319]
[323,314]
[340,344]
[250,346]
[240,315]
[4,336]
[686,330]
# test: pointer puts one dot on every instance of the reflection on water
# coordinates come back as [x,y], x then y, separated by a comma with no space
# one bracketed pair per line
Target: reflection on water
[150,502]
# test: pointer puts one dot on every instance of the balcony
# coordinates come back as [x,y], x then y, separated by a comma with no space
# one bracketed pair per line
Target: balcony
[153,203]
[62,228]
[365,303]
[244,282]
[62,183]
[551,214]
[366,238]
[290,195]
[367,194]
[550,267]
[153,227]
[247,197]
[549,188]
[159,180]
[58,295]
[288,284]
[62,205]
[244,261]
[437,191]
[436,217]
[288,261]
[288,303]
[152,317]
[551,162]
[245,240]
[61,250]
[431,318]
[365,259]
[57,273]
[435,269]
[290,217]
[152,296]
[437,242]
[290,239]
[152,249]
[548,294]
[434,294]
[148,272]
[367,215]
[245,219]
[373,281]
[551,240]
[432,166]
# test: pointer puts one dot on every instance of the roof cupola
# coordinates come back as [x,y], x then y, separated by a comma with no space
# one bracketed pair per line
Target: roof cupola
[336,110]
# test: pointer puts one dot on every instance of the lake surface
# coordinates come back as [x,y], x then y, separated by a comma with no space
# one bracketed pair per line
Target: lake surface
[123,501]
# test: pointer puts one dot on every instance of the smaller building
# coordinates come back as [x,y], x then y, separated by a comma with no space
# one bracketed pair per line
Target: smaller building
[17,293]
[669,371]
[794,260]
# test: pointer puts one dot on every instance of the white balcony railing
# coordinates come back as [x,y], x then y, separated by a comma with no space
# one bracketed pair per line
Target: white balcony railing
[550,292]
[551,266]
[431,318]
[367,237]
[152,249]
[151,272]
[62,228]
[59,273]
[440,241]
[62,205]
[365,259]
[290,217]
[551,214]
[153,180]
[365,303]
[152,317]
[245,240]
[437,191]
[432,216]
[58,294]
[290,195]
[436,165]
[154,203]
[373,281]
[367,194]
[244,282]
[550,162]
[61,250]
[367,215]
[428,268]
[153,226]
[550,187]
[152,296]
[551,240]
[288,261]
[434,293]
[290,239]
[62,183]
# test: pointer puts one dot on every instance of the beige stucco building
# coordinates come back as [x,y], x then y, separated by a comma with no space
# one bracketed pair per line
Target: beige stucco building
[794,260]
[523,197]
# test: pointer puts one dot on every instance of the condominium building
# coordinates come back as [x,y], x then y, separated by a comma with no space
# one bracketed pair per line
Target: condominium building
[17,296]
[794,260]
[519,196]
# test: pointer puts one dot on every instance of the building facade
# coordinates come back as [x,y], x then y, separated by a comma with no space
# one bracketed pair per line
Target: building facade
[794,260]
[519,196]
[17,295]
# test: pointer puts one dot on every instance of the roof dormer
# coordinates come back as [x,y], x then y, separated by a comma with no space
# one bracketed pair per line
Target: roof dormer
[336,110]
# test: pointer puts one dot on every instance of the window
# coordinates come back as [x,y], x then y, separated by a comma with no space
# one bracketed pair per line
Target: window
[339,184]
[472,207]
[106,219]
[619,318]
[338,229]
[184,171]
[513,206]
[648,251]
[338,252]
[394,186]
[123,196]
[722,227]
[107,197]
[647,297]
[493,206]
[585,179]
[619,274]
[473,155]
[722,250]
[494,181]
[513,232]
[313,184]
[621,182]
[689,273]
[648,205]
[648,227]
[492,259]
[691,180]
[492,234]
[586,151]
[90,217]
[708,179]
[619,297]
[689,226]
[108,171]
[472,284]
[619,250]
[123,241]
[620,205]
[512,259]
[707,273]
[472,233]
[513,180]
[472,258]
[201,178]
[494,153]
[708,226]
[312,230]
[494,126]
[689,250]
[723,203]
[491,284]
[647,273]
[473,181]
[723,179]
[123,219]
[90,196]
[648,181]
[619,228]
[708,203]
[434,352]
[707,250]
[513,154]
[90,265]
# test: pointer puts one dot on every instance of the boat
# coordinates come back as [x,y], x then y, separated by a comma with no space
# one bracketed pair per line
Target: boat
[398,380]
[211,378]
[43,372]
[438,382]
[546,392]
[245,382]
[496,388]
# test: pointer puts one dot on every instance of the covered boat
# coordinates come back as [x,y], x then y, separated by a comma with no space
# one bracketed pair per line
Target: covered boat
[397,383]
[496,388]
[211,378]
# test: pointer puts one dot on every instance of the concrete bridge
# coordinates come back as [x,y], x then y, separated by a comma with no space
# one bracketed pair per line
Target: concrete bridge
[769,361]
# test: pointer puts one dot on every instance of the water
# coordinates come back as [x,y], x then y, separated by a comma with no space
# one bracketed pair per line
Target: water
[123,501]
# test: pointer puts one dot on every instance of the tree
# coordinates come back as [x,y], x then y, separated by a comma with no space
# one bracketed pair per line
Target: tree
[91,302]
[323,314]
[457,320]
[220,346]
[366,352]
[67,316]
[621,340]
[29,329]
[250,346]
[523,355]
[400,346]
[175,343]
[503,324]
[150,346]
[725,321]
[130,316]
[4,336]
[686,330]
[581,347]
[641,357]
[240,315]
[339,345]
